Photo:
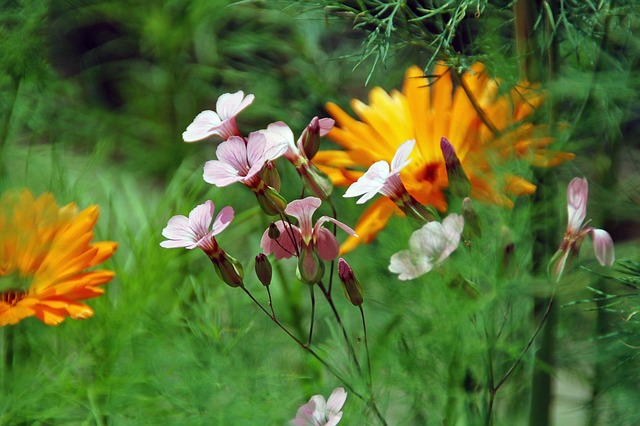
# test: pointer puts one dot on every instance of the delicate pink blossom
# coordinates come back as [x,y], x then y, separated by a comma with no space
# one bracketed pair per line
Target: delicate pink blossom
[280,138]
[196,230]
[305,234]
[577,196]
[221,122]
[237,161]
[317,412]
[379,179]
[428,247]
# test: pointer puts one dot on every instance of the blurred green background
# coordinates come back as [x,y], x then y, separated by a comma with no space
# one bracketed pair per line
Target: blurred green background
[94,98]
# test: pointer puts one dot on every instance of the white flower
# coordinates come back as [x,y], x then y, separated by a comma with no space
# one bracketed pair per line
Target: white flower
[428,246]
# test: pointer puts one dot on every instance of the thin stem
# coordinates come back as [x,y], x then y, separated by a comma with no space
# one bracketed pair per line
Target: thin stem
[335,231]
[474,102]
[313,353]
[313,311]
[366,347]
[344,331]
[526,348]
[273,314]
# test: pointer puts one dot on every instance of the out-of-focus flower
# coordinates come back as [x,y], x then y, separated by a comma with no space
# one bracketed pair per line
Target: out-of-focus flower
[577,196]
[197,231]
[312,243]
[222,121]
[427,111]
[317,412]
[44,253]
[428,247]
[280,139]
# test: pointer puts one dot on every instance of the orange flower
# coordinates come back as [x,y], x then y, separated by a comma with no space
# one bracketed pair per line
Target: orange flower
[427,111]
[44,251]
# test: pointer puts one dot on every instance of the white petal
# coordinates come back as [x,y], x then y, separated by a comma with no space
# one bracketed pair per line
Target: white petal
[400,158]
[201,127]
[603,246]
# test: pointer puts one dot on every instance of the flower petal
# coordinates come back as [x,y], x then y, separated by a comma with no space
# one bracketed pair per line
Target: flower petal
[303,211]
[577,195]
[223,220]
[402,154]
[220,174]
[327,244]
[201,127]
[409,267]
[230,104]
[336,400]
[603,246]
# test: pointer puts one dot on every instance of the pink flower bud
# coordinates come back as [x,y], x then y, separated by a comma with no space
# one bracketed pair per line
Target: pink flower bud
[352,287]
[316,181]
[229,269]
[263,269]
[459,184]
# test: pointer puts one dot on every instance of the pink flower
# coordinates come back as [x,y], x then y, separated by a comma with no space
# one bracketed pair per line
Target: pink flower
[379,179]
[221,123]
[196,230]
[280,138]
[577,196]
[237,161]
[305,234]
[429,246]
[317,412]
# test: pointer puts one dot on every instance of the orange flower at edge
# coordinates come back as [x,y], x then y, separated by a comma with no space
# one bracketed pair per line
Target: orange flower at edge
[44,253]
[427,112]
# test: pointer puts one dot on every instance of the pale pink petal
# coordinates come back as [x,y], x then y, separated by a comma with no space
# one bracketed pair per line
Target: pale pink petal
[255,153]
[603,246]
[327,244]
[230,104]
[429,241]
[453,226]
[336,400]
[400,158]
[304,416]
[325,124]
[334,420]
[370,183]
[220,174]
[279,140]
[577,196]
[407,266]
[324,219]
[200,218]
[223,220]
[202,127]
[320,410]
[234,152]
[178,229]
[303,211]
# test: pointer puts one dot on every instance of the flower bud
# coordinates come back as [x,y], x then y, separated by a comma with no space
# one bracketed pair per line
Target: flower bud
[459,184]
[274,232]
[229,270]
[270,201]
[271,176]
[352,287]
[312,134]
[316,180]
[263,269]
[471,219]
[310,266]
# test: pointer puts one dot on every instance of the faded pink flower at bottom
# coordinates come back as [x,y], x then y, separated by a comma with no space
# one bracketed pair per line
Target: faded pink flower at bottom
[577,197]
[317,412]
[221,122]
[428,247]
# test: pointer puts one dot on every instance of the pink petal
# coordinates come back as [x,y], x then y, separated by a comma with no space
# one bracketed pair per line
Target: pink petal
[334,420]
[603,246]
[223,220]
[303,211]
[201,127]
[200,218]
[577,196]
[284,248]
[400,158]
[325,124]
[279,140]
[255,153]
[230,104]
[220,174]
[336,400]
[234,153]
[327,244]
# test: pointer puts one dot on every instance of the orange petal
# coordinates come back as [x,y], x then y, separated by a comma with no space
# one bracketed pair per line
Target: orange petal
[372,221]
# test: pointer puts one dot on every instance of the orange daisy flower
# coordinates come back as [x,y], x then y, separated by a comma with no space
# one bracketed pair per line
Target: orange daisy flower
[44,251]
[484,133]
